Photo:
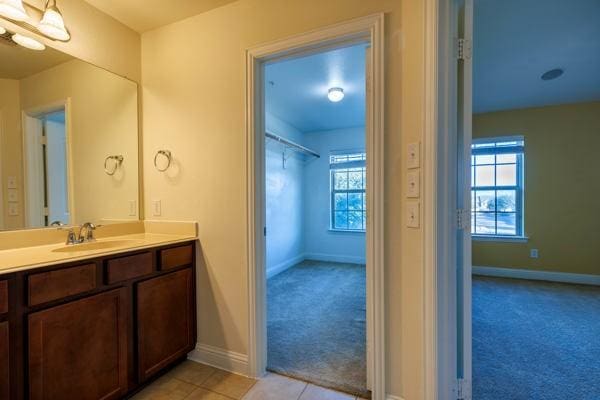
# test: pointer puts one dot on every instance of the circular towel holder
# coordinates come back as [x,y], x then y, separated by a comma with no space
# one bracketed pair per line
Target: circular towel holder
[167,155]
[118,160]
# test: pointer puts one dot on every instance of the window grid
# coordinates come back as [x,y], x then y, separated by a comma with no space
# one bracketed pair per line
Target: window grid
[497,202]
[348,196]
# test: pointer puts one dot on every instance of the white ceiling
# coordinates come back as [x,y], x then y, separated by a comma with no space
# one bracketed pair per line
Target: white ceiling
[516,41]
[296,89]
[145,15]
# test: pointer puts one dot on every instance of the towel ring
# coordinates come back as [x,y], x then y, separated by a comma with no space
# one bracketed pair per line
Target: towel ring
[167,155]
[118,161]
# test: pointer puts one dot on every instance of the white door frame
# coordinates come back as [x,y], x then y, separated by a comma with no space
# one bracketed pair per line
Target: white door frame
[369,28]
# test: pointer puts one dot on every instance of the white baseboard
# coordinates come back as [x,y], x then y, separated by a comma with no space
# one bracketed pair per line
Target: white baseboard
[220,358]
[279,268]
[391,397]
[537,275]
[335,258]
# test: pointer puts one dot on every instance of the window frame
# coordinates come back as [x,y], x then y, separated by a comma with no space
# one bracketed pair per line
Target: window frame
[347,165]
[519,188]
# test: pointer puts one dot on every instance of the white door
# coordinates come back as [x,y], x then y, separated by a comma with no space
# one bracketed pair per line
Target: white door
[33,155]
[56,172]
[464,267]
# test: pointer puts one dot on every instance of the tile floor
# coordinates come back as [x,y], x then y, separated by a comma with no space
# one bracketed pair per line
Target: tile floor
[194,381]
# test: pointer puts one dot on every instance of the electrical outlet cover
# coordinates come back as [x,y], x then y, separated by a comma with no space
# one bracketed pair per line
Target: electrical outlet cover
[413,155]
[412,214]
[413,188]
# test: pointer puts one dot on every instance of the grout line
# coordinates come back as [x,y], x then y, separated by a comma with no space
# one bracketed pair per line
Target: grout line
[303,390]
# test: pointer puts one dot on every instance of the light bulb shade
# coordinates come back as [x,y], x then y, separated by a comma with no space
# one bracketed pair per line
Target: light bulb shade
[27,42]
[335,94]
[53,24]
[13,9]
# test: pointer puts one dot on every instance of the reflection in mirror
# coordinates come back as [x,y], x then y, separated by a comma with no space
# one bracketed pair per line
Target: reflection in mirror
[68,141]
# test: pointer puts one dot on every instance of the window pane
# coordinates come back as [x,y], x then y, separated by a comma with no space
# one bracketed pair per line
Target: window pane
[341,220]
[485,223]
[485,200]
[340,180]
[355,219]
[506,158]
[484,176]
[355,179]
[355,201]
[364,220]
[506,175]
[472,176]
[341,201]
[507,200]
[484,159]
[472,222]
[507,224]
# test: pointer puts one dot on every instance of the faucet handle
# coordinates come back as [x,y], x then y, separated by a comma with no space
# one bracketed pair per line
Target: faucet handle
[71,237]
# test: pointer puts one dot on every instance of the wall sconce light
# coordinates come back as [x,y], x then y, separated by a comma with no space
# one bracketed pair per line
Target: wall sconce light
[52,23]
[335,94]
[13,9]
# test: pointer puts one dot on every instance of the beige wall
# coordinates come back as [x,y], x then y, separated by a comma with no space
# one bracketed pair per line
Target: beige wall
[95,37]
[194,105]
[562,188]
[103,122]
[10,147]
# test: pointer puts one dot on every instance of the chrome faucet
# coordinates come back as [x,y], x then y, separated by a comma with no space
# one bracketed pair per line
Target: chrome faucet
[86,234]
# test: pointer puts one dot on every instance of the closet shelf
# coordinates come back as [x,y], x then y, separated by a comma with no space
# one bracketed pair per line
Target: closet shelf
[292,145]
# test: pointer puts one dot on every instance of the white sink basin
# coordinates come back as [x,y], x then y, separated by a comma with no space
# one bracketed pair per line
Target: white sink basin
[100,245]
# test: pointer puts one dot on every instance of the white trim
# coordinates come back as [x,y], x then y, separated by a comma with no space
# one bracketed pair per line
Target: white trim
[287,264]
[366,29]
[499,238]
[220,358]
[340,258]
[430,171]
[392,397]
[355,232]
[518,273]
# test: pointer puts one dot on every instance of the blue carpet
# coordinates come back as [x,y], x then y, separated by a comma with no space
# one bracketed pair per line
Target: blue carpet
[316,320]
[535,340]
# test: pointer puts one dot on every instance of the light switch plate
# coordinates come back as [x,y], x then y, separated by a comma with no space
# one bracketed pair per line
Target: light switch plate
[413,156]
[132,208]
[413,186]
[13,196]
[11,182]
[13,209]
[156,208]
[413,218]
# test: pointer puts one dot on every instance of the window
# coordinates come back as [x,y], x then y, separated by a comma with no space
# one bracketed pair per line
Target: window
[348,199]
[497,187]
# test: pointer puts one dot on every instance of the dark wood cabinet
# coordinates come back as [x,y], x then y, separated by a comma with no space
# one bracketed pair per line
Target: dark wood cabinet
[4,361]
[96,329]
[78,350]
[165,320]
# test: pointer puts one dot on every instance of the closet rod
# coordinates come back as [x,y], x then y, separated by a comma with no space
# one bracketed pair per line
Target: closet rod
[292,144]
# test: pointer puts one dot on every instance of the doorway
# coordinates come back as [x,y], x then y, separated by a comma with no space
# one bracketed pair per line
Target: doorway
[46,170]
[366,30]
[522,281]
[316,169]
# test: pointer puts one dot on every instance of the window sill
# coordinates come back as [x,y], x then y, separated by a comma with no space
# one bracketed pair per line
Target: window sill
[345,231]
[499,238]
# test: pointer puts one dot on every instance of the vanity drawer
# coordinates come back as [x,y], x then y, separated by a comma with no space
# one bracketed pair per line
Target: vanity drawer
[54,285]
[125,268]
[3,297]
[176,257]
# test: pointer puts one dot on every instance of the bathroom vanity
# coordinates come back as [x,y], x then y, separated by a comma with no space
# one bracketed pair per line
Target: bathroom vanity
[98,327]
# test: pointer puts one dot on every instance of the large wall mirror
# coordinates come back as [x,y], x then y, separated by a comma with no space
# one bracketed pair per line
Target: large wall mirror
[68,141]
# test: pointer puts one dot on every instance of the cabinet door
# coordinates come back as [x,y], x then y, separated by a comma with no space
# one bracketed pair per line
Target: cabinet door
[4,368]
[79,350]
[165,320]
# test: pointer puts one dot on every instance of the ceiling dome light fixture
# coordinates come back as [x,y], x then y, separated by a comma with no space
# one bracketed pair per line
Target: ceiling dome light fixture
[335,94]
[52,23]
[27,42]
[552,74]
[13,9]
